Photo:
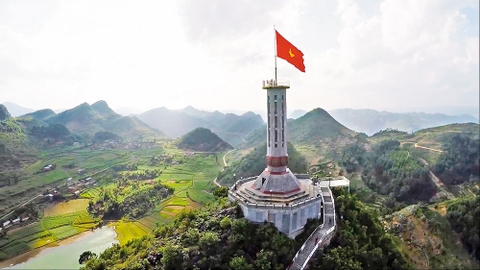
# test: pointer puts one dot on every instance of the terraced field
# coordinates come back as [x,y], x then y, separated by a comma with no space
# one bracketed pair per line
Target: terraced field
[47,230]
[192,181]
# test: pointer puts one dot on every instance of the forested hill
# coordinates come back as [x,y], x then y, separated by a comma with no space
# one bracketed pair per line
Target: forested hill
[218,237]
[400,165]
[204,140]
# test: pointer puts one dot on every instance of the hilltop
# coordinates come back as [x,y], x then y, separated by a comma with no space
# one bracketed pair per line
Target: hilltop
[15,109]
[371,121]
[40,115]
[230,127]
[203,140]
[316,134]
[89,119]
[317,125]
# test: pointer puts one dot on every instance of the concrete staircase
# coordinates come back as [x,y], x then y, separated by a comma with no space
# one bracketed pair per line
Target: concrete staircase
[321,236]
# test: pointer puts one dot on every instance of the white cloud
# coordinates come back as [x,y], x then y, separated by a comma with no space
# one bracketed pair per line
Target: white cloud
[213,54]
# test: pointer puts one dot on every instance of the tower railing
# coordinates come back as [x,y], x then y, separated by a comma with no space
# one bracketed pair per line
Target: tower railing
[275,83]
[292,206]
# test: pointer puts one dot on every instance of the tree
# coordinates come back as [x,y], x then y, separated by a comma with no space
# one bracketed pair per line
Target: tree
[220,192]
[239,263]
[85,256]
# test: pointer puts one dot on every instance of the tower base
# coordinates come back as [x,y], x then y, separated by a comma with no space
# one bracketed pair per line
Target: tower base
[288,212]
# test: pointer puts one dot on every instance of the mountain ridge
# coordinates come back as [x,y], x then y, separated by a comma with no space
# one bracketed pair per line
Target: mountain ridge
[230,127]
[370,121]
[85,118]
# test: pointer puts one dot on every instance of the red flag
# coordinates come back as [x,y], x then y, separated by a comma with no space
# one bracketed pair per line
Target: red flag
[287,51]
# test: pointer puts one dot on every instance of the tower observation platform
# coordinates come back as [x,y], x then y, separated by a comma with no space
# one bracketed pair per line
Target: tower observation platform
[277,195]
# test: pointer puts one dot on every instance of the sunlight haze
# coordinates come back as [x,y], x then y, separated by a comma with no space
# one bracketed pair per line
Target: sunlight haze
[213,55]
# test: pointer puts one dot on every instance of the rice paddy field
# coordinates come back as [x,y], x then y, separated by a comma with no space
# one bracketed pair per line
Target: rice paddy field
[192,179]
[193,184]
[62,222]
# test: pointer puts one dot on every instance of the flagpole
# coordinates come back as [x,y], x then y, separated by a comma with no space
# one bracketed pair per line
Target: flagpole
[275,54]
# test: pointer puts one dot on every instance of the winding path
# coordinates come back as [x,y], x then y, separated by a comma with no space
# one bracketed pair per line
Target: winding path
[224,164]
[321,236]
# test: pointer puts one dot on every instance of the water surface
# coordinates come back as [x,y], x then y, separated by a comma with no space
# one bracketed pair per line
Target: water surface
[66,256]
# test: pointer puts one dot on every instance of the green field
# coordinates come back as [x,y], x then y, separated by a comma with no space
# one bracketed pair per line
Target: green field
[46,231]
[192,180]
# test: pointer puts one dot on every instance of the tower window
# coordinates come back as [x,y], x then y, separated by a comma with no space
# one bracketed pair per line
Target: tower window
[283,123]
[275,108]
[276,137]
[268,121]
[276,122]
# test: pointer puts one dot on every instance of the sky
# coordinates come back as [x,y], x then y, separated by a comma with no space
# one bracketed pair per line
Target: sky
[393,55]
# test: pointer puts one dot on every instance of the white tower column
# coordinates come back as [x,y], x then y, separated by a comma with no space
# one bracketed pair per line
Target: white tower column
[277,156]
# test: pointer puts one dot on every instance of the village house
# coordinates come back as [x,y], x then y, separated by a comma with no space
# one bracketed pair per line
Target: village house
[16,221]
[7,224]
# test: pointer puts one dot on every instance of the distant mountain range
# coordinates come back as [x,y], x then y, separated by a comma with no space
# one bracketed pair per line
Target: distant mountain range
[16,110]
[371,121]
[296,114]
[89,119]
[234,128]
[230,127]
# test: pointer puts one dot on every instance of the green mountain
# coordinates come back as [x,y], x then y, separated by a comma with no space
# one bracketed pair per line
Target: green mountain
[89,119]
[4,114]
[15,152]
[371,121]
[316,133]
[40,115]
[317,125]
[230,127]
[204,140]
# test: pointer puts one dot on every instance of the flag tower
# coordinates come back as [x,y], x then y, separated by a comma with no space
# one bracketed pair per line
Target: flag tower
[277,195]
